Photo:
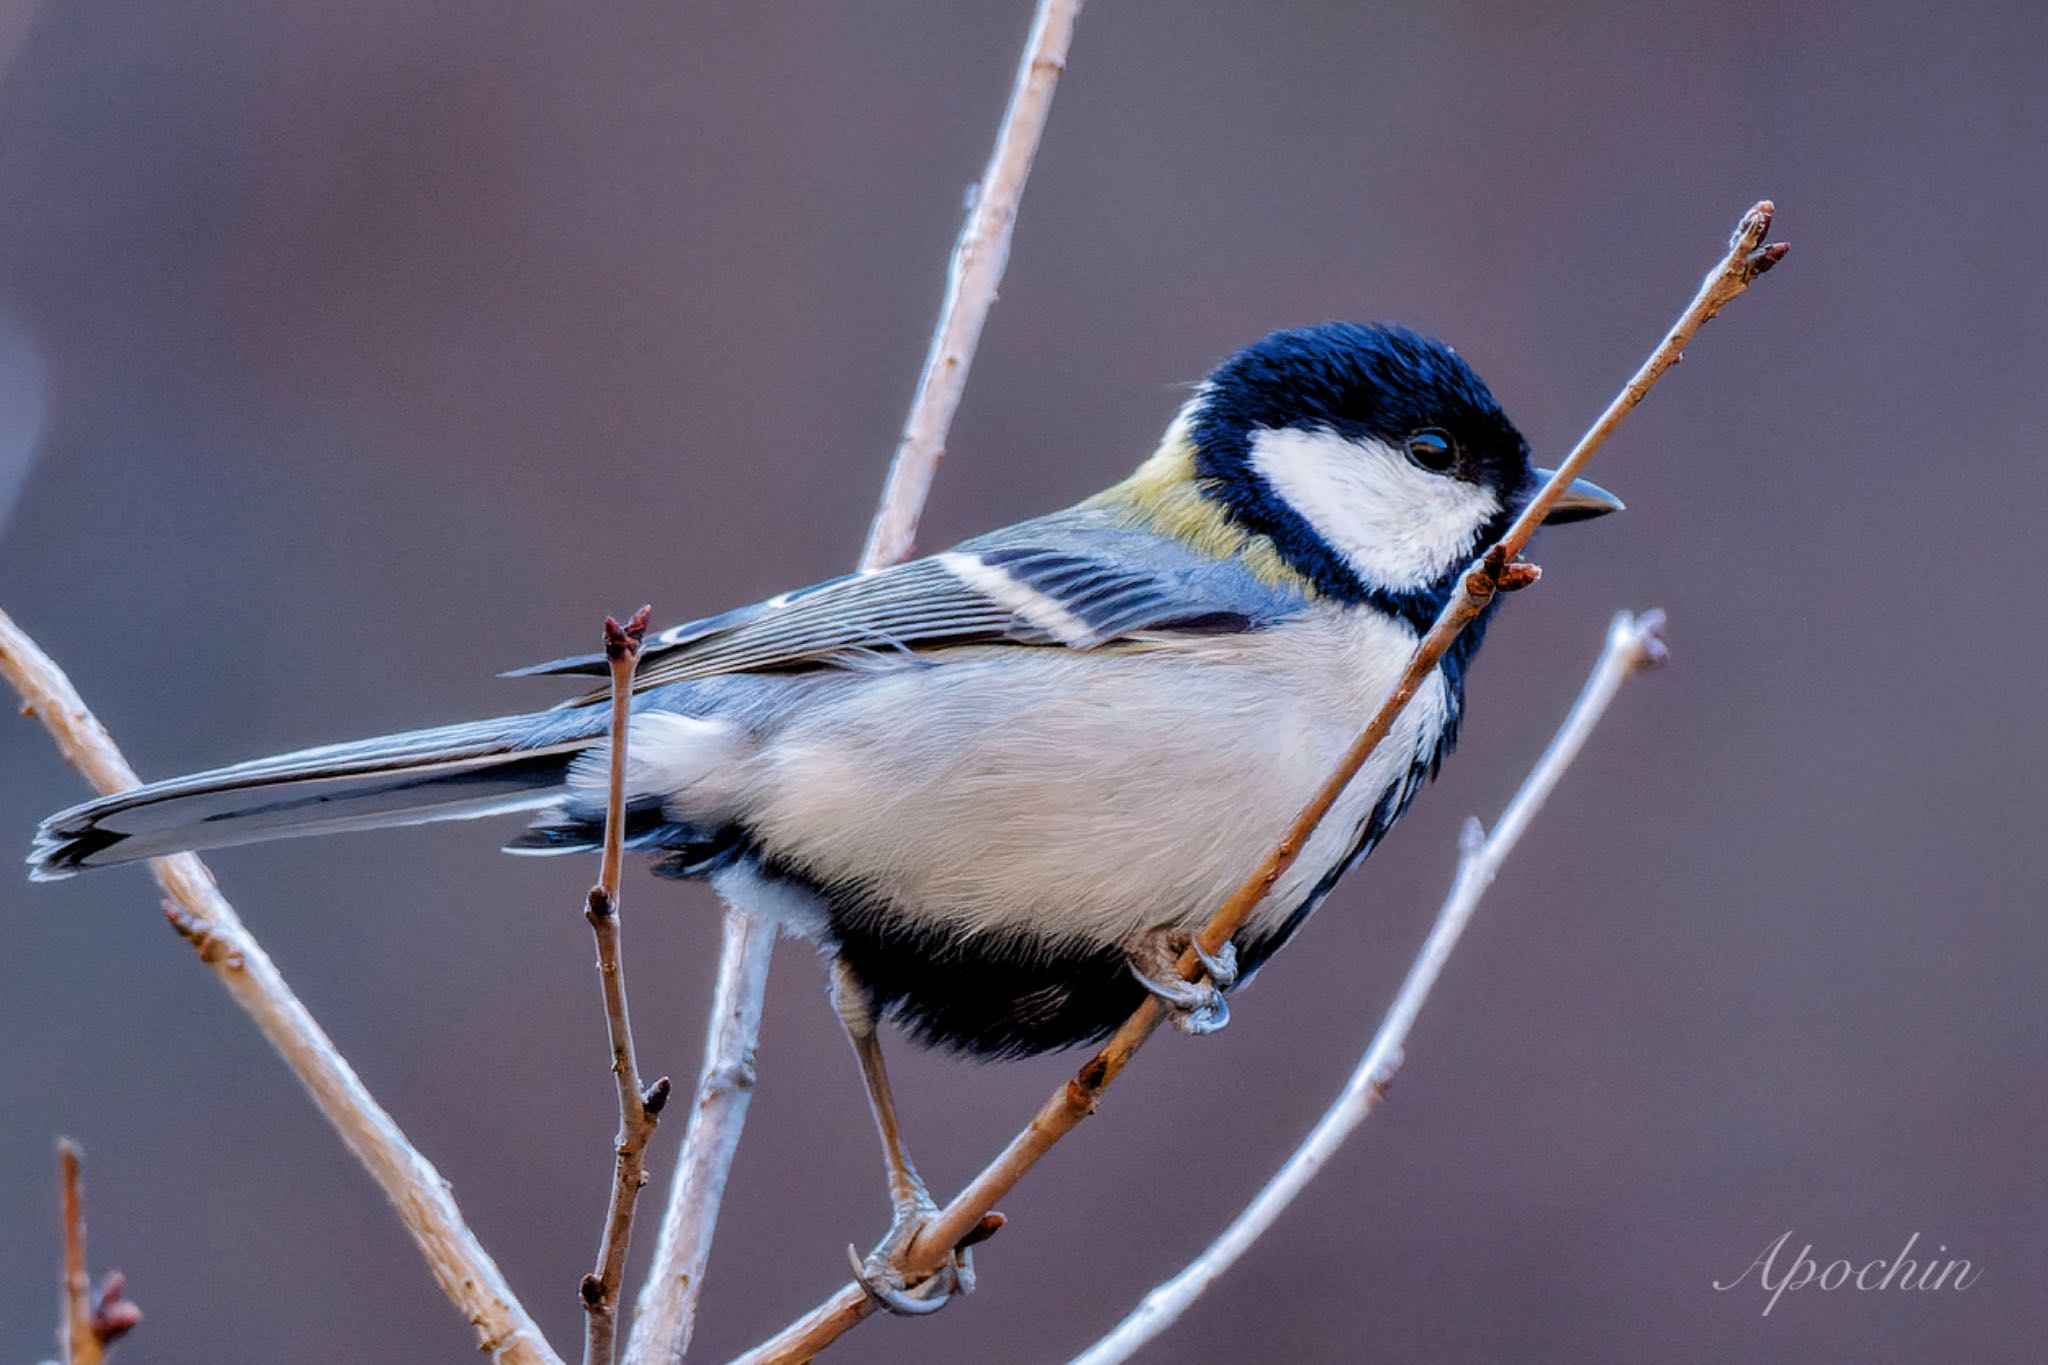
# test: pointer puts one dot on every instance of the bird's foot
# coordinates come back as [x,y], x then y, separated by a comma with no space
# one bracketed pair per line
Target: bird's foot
[1197,1006]
[880,1272]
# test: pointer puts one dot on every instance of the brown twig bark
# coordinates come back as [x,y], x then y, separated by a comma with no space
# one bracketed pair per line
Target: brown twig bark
[1497,570]
[203,917]
[666,1311]
[91,1323]
[74,1338]
[639,1110]
[1634,643]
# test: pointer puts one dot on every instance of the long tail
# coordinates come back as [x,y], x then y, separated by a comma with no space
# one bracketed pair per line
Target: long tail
[457,772]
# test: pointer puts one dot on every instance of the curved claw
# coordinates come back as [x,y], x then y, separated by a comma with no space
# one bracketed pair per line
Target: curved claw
[1205,1018]
[1221,965]
[880,1272]
[884,1284]
[1173,992]
[1195,1007]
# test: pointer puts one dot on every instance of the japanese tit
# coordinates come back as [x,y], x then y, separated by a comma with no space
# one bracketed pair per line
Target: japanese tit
[1001,782]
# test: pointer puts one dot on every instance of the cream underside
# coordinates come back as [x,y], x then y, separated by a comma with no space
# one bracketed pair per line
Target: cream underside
[1073,794]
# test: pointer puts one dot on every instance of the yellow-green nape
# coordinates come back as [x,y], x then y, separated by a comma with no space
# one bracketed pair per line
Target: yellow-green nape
[1162,496]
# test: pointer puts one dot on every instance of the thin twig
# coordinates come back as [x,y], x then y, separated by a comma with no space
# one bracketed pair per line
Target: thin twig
[75,1341]
[91,1323]
[1494,571]
[622,656]
[203,917]
[666,1311]
[976,268]
[1633,644]
[639,1110]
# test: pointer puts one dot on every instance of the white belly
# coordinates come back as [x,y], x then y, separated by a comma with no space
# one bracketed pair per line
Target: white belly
[1083,796]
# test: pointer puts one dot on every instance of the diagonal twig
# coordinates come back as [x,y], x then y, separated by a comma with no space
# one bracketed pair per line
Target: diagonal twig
[1497,570]
[1633,644]
[975,269]
[665,1315]
[639,1110]
[203,917]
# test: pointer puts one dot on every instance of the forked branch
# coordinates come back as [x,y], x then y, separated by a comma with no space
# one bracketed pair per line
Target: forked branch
[1496,570]
[1634,643]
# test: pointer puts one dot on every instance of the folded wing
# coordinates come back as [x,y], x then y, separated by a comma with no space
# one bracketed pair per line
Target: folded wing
[1051,589]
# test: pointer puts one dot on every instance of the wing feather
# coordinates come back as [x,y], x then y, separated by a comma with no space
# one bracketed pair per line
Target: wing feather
[1066,589]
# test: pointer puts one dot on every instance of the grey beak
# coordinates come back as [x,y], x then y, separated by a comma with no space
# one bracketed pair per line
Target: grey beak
[1583,500]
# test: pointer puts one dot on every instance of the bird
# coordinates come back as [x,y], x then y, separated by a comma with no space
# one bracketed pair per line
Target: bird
[1002,785]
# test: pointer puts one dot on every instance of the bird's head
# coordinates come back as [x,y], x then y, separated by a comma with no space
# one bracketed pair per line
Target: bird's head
[1373,460]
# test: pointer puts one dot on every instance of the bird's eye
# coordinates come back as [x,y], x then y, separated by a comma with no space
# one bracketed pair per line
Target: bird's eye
[1433,449]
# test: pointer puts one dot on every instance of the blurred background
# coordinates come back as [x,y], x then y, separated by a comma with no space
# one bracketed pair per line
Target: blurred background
[349,354]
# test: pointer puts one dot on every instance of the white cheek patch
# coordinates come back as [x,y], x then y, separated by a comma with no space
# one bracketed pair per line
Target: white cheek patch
[1399,527]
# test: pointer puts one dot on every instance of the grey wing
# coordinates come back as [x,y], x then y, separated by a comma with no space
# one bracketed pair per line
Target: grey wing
[1068,582]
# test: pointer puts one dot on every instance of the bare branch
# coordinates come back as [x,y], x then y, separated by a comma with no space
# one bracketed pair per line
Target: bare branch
[83,1334]
[980,255]
[75,1341]
[667,1307]
[1633,644]
[1494,571]
[92,1322]
[622,656]
[466,1273]
[639,1111]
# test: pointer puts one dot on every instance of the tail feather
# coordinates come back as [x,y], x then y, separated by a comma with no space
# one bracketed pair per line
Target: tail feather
[457,772]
